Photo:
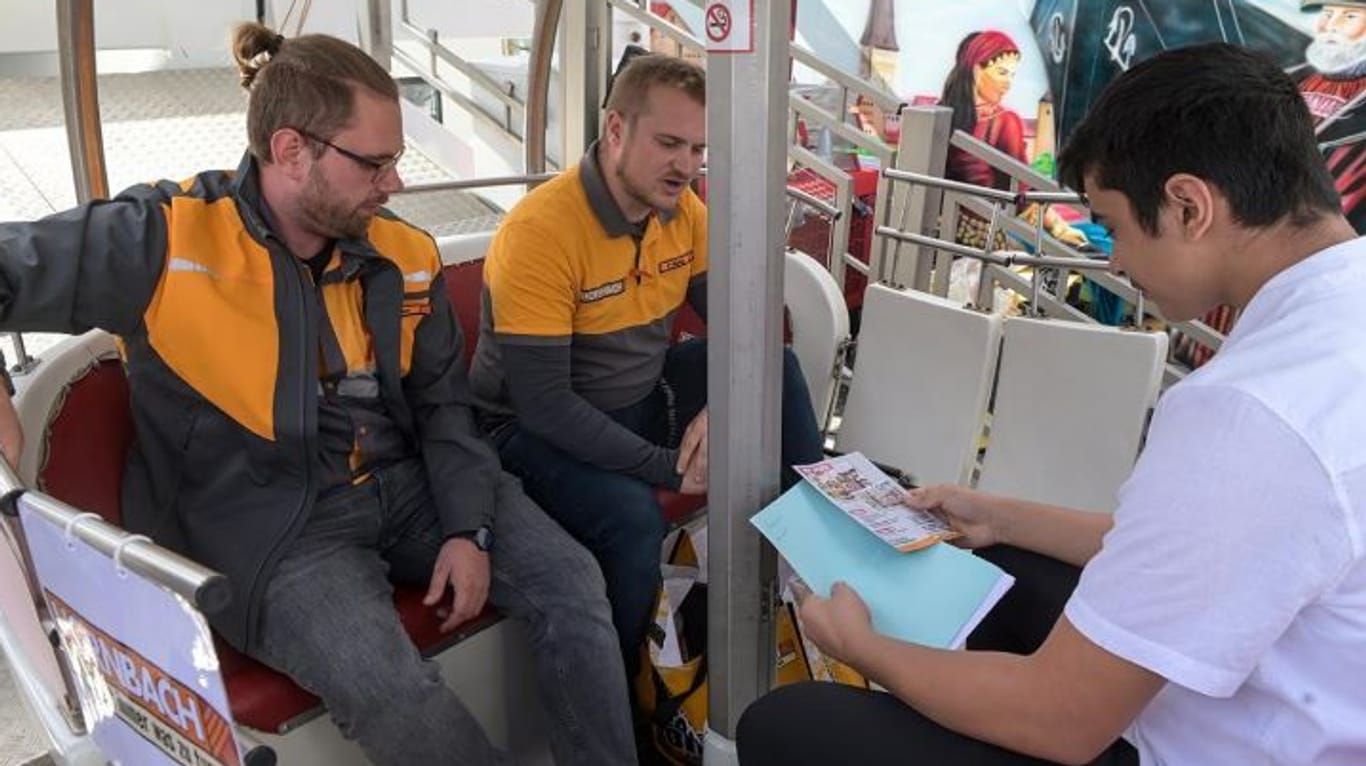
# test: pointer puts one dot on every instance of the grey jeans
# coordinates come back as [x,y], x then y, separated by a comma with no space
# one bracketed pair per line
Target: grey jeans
[328,621]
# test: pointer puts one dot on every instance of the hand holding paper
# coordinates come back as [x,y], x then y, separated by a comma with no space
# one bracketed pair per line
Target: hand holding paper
[934,596]
[838,623]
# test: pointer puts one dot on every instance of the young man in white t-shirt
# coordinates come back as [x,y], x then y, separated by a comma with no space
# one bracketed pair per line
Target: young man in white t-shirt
[1220,616]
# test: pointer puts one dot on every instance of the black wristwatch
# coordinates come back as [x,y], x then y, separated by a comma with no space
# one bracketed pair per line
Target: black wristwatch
[481,537]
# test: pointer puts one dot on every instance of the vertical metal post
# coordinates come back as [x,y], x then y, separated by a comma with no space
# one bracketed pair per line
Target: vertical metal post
[923,148]
[81,97]
[377,32]
[745,185]
[538,82]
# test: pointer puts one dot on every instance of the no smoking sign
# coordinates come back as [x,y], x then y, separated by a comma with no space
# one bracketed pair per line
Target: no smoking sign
[729,25]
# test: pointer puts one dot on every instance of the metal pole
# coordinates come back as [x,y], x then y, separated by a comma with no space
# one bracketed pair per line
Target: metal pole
[208,590]
[81,97]
[745,181]
[377,32]
[538,82]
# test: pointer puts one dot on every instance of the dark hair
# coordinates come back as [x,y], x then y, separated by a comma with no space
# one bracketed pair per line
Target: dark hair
[631,86]
[305,82]
[960,87]
[1219,112]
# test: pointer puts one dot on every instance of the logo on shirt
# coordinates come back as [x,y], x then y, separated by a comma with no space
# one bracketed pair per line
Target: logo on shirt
[676,263]
[603,291]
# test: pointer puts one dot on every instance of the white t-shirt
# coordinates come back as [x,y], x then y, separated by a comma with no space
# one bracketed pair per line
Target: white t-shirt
[1235,567]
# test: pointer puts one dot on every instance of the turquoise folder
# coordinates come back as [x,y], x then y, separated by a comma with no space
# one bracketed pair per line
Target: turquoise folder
[933,596]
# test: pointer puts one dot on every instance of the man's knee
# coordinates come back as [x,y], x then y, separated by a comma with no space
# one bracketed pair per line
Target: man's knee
[767,725]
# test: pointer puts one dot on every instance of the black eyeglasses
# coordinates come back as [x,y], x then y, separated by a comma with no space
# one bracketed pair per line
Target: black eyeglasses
[378,166]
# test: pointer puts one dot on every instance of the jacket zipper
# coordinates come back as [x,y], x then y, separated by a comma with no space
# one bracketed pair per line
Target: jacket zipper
[300,291]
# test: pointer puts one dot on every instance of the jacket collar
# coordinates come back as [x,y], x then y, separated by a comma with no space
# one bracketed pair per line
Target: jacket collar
[257,216]
[609,214]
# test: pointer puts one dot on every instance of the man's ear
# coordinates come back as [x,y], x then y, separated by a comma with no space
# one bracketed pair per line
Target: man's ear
[614,127]
[291,152]
[1192,200]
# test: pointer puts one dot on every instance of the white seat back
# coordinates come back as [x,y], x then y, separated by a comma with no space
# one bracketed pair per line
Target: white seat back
[41,393]
[820,325]
[461,248]
[1072,402]
[921,379]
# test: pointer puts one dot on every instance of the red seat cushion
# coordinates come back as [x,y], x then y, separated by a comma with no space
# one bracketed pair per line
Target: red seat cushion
[465,290]
[268,701]
[87,448]
[87,443]
[679,508]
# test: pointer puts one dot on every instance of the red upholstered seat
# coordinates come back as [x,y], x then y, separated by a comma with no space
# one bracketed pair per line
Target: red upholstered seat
[87,443]
[464,289]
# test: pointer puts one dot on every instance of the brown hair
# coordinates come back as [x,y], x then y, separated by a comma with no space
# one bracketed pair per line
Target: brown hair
[305,82]
[632,84]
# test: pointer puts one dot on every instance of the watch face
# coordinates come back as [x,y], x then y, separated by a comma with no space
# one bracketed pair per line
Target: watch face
[483,538]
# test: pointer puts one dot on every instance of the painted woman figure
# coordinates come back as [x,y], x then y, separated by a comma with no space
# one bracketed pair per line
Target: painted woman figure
[976,87]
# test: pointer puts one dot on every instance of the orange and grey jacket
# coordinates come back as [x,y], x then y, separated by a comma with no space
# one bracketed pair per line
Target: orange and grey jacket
[221,327]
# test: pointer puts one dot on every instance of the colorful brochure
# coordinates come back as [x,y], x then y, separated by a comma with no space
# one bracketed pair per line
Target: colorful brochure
[876,502]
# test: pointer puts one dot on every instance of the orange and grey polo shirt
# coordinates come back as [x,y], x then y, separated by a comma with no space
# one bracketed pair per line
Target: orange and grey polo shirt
[567,270]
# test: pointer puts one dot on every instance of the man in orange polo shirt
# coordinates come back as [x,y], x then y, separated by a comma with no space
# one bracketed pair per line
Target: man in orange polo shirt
[574,375]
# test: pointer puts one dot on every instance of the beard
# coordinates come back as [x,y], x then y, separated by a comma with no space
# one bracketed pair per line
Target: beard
[1336,56]
[327,215]
[642,194]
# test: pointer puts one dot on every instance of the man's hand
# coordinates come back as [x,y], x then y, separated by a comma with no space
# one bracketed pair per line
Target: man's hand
[466,569]
[692,457]
[837,625]
[965,509]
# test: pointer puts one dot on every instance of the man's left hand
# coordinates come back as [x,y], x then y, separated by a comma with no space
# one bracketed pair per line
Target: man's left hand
[837,625]
[466,569]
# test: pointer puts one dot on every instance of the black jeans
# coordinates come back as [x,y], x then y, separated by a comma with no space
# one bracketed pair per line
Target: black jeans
[826,723]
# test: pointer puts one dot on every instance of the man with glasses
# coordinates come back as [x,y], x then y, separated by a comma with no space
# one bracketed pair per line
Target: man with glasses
[303,418]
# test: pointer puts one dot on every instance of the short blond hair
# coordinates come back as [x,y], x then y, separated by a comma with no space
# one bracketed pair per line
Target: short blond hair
[631,88]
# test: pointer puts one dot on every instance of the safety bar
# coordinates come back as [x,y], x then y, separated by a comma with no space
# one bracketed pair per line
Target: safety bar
[825,208]
[206,589]
[1000,257]
[847,82]
[656,23]
[1020,198]
[478,183]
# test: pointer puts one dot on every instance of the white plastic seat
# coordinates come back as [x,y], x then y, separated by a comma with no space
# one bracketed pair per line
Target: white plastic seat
[919,393]
[820,326]
[1072,403]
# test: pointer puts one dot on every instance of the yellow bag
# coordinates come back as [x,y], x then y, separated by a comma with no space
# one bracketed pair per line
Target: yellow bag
[675,696]
[671,687]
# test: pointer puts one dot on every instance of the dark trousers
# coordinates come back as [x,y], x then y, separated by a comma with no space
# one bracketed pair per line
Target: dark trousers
[617,517]
[826,723]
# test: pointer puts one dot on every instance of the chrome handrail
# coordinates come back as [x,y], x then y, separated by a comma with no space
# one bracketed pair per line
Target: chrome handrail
[538,82]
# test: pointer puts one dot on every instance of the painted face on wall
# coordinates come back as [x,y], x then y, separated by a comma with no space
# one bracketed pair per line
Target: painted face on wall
[1339,44]
[994,78]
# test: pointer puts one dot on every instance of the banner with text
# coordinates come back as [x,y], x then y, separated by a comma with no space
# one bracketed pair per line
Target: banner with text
[143,657]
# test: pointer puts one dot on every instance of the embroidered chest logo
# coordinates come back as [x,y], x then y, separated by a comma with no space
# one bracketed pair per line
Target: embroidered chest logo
[594,294]
[674,264]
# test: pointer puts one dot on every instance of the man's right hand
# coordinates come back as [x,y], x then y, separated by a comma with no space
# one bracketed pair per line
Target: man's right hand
[969,511]
[692,456]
